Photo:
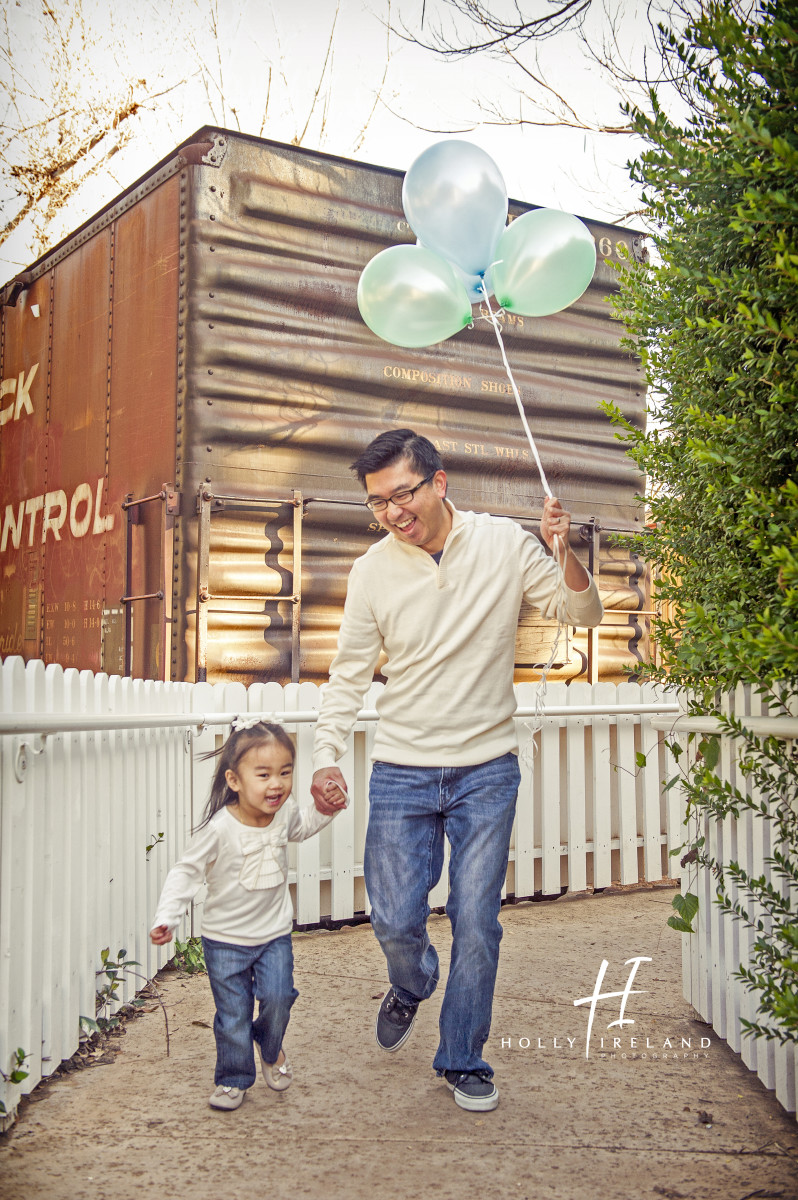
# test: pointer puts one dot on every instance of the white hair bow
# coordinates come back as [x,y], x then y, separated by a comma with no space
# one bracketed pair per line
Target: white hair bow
[241,722]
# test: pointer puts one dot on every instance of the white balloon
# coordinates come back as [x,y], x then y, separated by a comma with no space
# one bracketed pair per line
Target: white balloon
[455,202]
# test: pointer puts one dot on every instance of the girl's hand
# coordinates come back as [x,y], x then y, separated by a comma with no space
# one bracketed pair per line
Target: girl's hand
[160,935]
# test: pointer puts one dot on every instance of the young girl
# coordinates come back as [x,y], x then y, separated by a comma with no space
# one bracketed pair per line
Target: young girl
[240,850]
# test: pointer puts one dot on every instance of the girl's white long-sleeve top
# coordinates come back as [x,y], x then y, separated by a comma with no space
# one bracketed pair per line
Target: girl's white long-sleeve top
[448,630]
[248,902]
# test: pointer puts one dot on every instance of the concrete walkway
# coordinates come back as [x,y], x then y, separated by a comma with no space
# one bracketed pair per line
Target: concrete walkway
[673,1115]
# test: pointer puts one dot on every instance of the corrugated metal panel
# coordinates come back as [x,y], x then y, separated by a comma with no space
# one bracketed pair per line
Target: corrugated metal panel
[94,338]
[287,385]
[23,470]
[143,383]
[203,331]
[74,546]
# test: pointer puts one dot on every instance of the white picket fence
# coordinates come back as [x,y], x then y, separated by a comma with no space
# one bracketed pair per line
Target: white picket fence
[93,770]
[721,944]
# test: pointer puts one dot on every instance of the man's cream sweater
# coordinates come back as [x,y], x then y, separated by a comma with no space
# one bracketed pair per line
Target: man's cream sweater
[448,631]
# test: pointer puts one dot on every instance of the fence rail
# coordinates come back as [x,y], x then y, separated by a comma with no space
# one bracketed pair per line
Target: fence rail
[66,723]
[93,770]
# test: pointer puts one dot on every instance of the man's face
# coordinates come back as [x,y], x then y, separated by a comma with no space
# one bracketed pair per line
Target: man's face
[422,521]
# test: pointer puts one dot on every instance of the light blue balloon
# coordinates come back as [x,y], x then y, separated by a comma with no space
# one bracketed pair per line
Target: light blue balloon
[544,262]
[455,202]
[410,297]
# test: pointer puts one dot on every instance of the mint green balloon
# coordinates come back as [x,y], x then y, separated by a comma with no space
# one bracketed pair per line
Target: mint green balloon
[544,262]
[409,296]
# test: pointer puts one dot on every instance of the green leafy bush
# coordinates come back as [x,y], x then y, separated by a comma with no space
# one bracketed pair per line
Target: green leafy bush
[715,321]
[189,955]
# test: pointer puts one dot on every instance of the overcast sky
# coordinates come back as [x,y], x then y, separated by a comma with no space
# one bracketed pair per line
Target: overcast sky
[380,100]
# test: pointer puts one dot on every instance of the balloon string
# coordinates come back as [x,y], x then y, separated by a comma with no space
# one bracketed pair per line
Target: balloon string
[521,412]
[535,724]
[559,551]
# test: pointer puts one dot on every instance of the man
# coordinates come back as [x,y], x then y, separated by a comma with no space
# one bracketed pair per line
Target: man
[440,596]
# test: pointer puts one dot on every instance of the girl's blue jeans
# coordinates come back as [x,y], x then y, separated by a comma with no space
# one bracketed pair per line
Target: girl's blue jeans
[411,809]
[239,976]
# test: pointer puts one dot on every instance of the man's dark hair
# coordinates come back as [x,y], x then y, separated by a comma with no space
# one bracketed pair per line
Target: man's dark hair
[392,445]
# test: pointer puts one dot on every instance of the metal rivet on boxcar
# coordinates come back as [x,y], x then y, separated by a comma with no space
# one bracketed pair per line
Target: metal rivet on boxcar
[212,249]
[210,370]
[209,449]
[207,478]
[210,401]
[211,295]
[213,188]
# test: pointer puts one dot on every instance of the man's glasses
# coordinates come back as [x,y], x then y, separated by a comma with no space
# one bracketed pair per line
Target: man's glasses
[399,498]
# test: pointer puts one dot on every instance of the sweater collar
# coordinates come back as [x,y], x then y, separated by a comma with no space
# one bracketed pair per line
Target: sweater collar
[458,520]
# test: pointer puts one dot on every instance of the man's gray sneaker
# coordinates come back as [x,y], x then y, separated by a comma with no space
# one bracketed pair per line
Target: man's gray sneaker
[395,1021]
[473,1090]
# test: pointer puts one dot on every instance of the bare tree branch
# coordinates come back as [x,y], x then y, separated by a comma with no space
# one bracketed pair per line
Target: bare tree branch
[68,110]
[297,141]
[378,94]
[62,121]
[633,72]
[266,105]
[498,35]
[427,128]
[562,113]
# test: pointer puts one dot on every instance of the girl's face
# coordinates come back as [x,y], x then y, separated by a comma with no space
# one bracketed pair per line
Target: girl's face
[262,780]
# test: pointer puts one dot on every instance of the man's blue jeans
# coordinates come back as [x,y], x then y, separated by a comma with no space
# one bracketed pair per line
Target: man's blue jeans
[411,808]
[240,975]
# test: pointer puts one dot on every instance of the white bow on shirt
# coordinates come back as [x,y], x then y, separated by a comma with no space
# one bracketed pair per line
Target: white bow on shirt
[264,864]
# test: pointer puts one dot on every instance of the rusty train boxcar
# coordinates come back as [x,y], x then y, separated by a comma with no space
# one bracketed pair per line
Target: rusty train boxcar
[185,380]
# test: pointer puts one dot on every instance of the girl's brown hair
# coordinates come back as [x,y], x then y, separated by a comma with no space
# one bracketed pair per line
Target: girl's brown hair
[230,755]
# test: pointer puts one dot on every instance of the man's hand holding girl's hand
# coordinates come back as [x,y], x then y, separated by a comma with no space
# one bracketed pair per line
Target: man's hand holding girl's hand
[328,789]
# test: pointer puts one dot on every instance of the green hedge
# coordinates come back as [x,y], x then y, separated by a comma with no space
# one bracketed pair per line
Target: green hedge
[715,320]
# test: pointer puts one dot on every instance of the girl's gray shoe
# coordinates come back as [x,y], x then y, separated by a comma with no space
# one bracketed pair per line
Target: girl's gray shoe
[278,1077]
[227,1097]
